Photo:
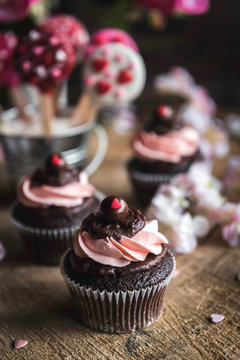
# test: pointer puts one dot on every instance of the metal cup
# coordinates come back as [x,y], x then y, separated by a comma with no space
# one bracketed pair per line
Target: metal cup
[23,154]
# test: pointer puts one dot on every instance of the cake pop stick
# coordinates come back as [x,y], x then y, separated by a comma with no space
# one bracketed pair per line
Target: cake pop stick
[113,74]
[8,75]
[44,59]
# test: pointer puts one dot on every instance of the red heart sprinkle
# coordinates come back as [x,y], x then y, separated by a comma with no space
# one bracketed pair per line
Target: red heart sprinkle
[55,160]
[103,87]
[116,204]
[124,77]
[101,39]
[99,64]
[164,110]
[117,38]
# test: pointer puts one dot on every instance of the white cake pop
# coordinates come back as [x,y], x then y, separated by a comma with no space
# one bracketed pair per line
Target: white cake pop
[113,74]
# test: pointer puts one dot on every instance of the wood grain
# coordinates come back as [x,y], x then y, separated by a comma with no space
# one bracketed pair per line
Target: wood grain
[35,305]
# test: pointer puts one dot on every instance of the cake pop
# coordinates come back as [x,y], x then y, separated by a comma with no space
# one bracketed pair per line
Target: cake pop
[45,58]
[70,27]
[113,74]
[109,35]
[8,75]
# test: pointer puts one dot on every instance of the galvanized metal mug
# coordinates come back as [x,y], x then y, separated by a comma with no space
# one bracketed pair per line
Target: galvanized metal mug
[22,154]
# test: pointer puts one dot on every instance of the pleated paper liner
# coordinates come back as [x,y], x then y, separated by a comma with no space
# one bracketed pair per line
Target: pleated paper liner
[46,246]
[145,185]
[117,312]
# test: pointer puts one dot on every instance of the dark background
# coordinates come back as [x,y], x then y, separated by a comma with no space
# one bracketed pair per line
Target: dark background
[207,45]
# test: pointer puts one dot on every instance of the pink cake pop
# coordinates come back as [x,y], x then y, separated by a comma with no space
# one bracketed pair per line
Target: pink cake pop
[109,35]
[70,27]
[113,74]
[45,59]
[8,75]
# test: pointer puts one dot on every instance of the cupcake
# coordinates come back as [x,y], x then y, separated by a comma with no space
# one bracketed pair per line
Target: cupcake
[166,147]
[118,269]
[51,205]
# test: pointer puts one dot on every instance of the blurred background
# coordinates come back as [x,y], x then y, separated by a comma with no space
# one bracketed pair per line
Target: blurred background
[207,44]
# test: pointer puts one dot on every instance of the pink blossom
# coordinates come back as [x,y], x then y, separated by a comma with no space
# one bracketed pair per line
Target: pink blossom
[230,234]
[192,7]
[12,10]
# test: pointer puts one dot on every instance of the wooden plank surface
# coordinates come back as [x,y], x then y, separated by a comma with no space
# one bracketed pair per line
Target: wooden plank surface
[35,305]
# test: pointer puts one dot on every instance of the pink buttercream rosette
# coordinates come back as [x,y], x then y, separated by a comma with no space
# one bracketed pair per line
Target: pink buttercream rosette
[69,195]
[171,147]
[111,252]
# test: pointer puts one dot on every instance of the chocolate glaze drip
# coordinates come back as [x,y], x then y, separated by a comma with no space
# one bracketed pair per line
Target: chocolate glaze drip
[114,222]
[55,172]
[164,120]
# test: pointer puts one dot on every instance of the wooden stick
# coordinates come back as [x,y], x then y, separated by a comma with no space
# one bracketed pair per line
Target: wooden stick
[82,109]
[19,102]
[60,97]
[47,112]
[92,114]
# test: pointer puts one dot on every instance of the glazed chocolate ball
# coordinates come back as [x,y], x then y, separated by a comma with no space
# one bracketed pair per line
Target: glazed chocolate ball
[114,208]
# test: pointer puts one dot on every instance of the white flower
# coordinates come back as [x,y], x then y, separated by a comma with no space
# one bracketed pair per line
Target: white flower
[183,238]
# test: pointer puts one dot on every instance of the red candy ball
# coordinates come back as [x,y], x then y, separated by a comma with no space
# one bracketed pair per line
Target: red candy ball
[70,27]
[44,58]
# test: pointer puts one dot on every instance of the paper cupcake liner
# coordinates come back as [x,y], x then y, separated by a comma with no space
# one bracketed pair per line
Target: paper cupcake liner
[146,185]
[117,312]
[46,246]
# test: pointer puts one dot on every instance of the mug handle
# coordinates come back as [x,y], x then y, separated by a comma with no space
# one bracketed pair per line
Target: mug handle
[100,152]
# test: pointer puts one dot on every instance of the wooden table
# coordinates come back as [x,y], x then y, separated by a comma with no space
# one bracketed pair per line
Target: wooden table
[34,301]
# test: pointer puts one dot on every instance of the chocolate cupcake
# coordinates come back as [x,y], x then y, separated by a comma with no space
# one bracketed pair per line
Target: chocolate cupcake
[51,205]
[118,269]
[165,148]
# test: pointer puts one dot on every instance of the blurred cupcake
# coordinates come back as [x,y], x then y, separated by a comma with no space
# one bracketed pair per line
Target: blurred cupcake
[166,147]
[51,205]
[118,269]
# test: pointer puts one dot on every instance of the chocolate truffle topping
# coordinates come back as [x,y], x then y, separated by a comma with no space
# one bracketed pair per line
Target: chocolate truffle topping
[164,120]
[55,172]
[114,219]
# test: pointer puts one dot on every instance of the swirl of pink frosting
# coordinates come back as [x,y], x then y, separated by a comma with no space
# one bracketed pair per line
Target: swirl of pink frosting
[171,147]
[69,195]
[111,252]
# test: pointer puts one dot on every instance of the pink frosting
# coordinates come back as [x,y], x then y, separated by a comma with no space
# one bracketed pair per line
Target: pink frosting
[111,252]
[171,147]
[69,195]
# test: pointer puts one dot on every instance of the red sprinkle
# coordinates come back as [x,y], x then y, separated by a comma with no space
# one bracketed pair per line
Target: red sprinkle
[164,110]
[116,204]
[55,160]
[18,344]
[124,77]
[238,277]
[99,64]
[103,87]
